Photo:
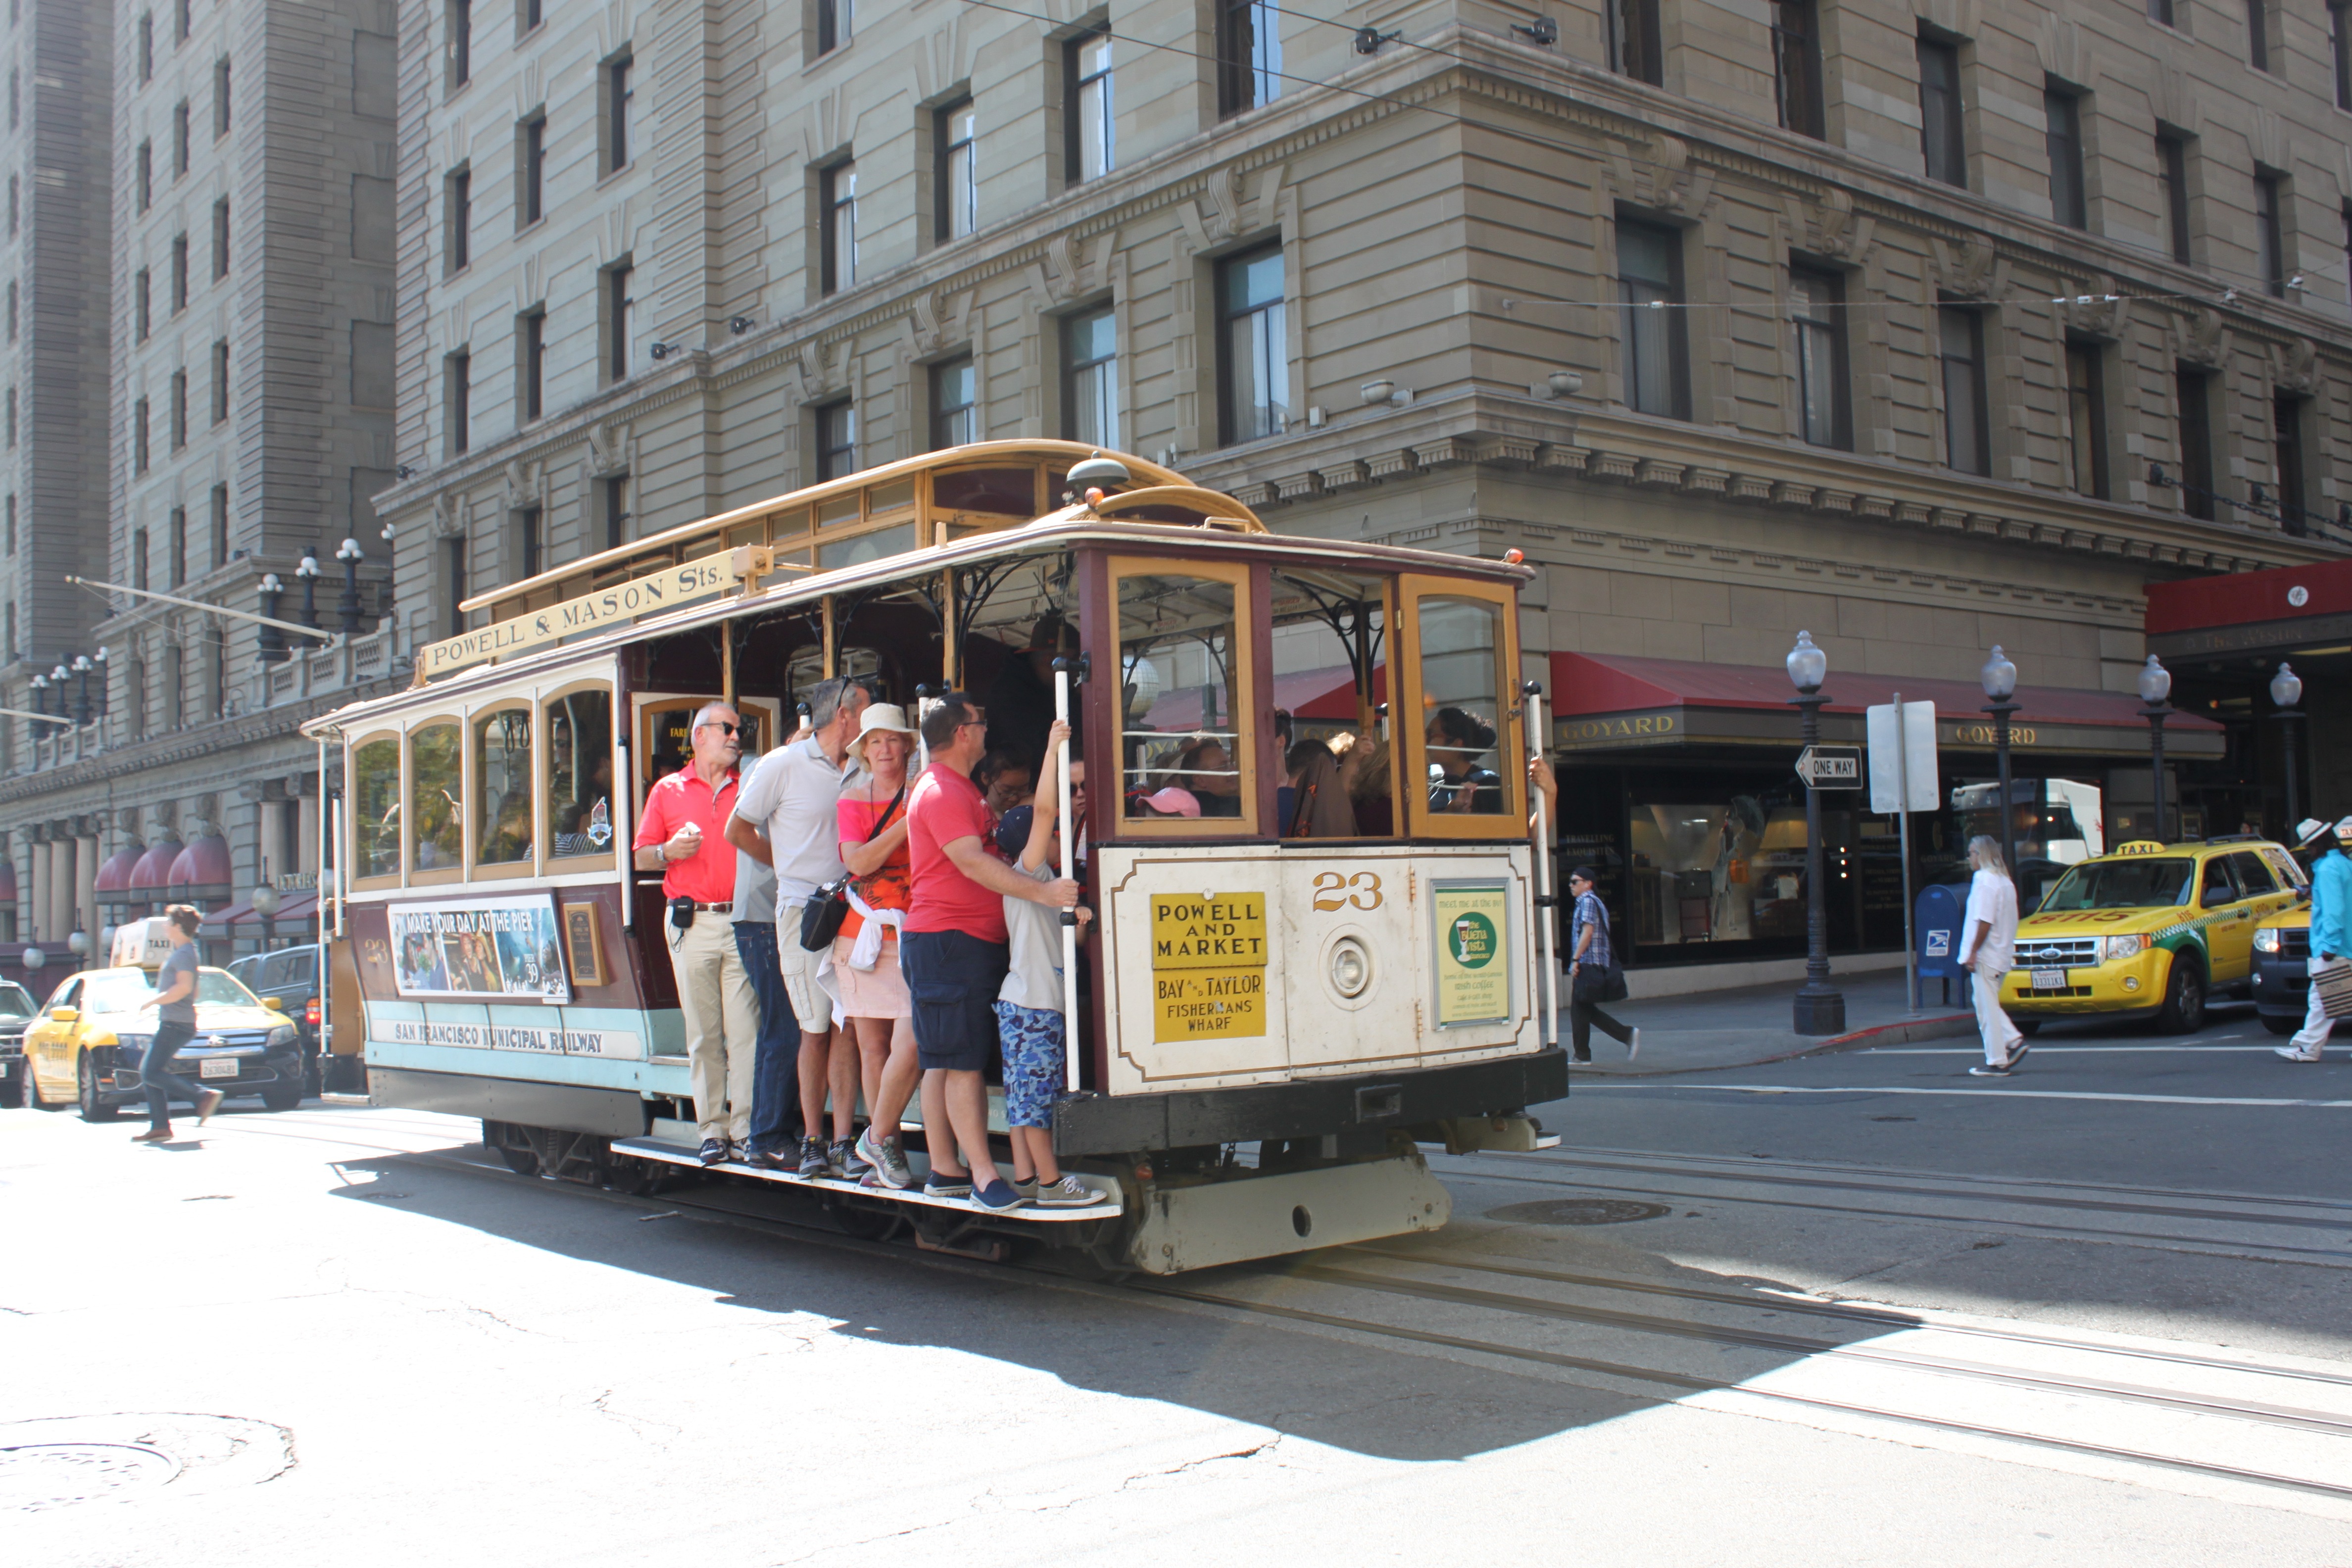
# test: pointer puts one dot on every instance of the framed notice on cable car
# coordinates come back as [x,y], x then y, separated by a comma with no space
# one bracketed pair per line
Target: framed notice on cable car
[479,948]
[1472,949]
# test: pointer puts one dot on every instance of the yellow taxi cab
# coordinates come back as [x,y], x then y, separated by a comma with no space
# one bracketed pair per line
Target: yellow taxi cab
[2149,931]
[85,1045]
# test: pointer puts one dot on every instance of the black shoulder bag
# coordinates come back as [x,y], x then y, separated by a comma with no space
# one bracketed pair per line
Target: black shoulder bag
[1594,985]
[821,916]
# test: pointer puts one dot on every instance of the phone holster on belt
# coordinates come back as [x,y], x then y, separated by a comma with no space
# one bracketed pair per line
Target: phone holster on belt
[681,913]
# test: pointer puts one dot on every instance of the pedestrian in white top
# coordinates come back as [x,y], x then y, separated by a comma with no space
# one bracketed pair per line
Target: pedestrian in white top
[1988,951]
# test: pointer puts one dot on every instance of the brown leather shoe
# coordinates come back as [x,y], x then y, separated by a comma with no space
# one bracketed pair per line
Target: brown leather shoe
[154,1135]
[206,1103]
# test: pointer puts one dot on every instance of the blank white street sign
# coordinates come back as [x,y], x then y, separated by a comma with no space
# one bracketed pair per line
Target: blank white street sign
[1917,766]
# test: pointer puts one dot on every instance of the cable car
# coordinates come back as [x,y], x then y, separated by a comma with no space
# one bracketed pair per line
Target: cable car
[1344,720]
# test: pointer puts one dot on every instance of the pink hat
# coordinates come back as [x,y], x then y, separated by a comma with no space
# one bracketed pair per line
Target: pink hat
[1173,802]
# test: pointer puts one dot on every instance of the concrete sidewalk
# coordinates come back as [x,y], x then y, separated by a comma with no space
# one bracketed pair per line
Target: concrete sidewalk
[1742,1028]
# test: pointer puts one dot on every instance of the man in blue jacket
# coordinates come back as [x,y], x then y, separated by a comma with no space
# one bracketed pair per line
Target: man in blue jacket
[2331,915]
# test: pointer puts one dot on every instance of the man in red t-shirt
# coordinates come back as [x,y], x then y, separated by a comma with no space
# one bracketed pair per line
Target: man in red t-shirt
[683,835]
[953,950]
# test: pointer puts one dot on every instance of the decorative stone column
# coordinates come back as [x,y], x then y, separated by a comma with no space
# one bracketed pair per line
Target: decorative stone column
[38,910]
[86,888]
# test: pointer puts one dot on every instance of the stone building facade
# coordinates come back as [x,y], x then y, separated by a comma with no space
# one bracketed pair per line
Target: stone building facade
[245,155]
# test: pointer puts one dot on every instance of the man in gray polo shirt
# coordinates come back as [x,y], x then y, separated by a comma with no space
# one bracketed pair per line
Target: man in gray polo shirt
[175,1026]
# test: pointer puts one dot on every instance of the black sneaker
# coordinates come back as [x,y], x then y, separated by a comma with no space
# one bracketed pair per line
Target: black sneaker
[2018,1054]
[1987,1070]
[947,1186]
[714,1151]
[813,1160]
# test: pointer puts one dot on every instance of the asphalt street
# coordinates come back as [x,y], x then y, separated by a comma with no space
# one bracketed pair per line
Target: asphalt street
[1850,1309]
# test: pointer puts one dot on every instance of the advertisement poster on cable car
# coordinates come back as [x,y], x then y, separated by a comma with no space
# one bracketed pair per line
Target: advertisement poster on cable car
[1473,960]
[479,947]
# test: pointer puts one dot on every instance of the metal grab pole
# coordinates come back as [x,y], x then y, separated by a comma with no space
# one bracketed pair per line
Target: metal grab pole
[1547,901]
[1903,842]
[341,843]
[1069,871]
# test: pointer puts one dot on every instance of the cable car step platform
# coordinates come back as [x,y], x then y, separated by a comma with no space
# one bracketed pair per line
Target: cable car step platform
[1106,1191]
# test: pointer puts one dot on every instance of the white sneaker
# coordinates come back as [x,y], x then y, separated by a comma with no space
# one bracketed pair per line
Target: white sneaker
[1634,1045]
[2291,1054]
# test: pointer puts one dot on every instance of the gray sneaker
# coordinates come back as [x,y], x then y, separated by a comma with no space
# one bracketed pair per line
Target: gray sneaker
[813,1160]
[1069,1193]
[843,1156]
[883,1154]
[1026,1186]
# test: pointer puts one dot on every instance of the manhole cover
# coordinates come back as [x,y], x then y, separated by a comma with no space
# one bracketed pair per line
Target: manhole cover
[51,1475]
[1579,1211]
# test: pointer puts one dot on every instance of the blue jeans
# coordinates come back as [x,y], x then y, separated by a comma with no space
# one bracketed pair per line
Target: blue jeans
[155,1074]
[775,1081]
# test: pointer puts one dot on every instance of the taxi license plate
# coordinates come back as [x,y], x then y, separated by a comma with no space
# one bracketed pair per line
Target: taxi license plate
[2050,980]
[217,1066]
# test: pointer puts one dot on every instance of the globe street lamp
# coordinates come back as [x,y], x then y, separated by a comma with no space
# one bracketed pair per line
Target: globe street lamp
[2154,686]
[41,694]
[82,667]
[1820,1007]
[2286,690]
[273,641]
[1999,678]
[265,904]
[309,572]
[349,553]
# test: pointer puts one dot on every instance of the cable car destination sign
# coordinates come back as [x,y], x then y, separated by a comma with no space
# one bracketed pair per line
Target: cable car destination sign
[663,590]
[1208,965]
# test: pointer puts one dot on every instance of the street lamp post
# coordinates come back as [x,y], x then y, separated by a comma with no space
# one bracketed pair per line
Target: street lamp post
[98,661]
[2154,686]
[309,572]
[349,553]
[82,667]
[1820,1007]
[265,904]
[41,694]
[2286,690]
[1999,678]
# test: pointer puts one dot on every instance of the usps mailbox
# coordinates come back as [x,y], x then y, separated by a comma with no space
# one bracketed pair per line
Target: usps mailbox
[1936,922]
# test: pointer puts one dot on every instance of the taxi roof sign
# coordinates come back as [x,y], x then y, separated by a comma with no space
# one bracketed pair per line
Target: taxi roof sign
[142,944]
[2138,847]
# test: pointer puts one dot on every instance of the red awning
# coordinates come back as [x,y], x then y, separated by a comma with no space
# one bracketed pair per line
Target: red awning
[2245,599]
[295,910]
[153,871]
[1603,700]
[114,872]
[202,864]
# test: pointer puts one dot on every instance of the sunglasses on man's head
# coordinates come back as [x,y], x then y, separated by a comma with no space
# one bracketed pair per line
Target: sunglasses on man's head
[720,724]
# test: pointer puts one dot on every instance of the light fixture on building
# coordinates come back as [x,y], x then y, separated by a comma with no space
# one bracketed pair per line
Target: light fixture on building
[1820,1007]
[1542,30]
[82,667]
[2154,686]
[2286,690]
[1559,383]
[663,351]
[739,325]
[347,552]
[1999,678]
[1381,389]
[308,570]
[407,472]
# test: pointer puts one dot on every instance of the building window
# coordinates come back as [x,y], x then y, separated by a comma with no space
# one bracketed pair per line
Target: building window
[1636,47]
[1797,66]
[2191,390]
[181,24]
[11,419]
[180,140]
[955,405]
[955,175]
[12,311]
[220,382]
[1090,378]
[2160,11]
[1087,89]
[1650,288]
[220,99]
[620,321]
[458,217]
[1253,344]
[2347,252]
[461,42]
[616,511]
[12,206]
[2286,450]
[2086,419]
[139,558]
[2339,48]
[531,363]
[2270,233]
[1823,402]
[458,395]
[13,102]
[179,273]
[2061,113]
[530,540]
[837,242]
[141,291]
[836,19]
[2172,174]
[453,576]
[530,171]
[179,409]
[1966,427]
[619,101]
[836,440]
[178,545]
[220,525]
[2258,33]
[220,239]
[1941,136]
[530,15]
[146,48]
[143,179]
[1249,54]
[11,536]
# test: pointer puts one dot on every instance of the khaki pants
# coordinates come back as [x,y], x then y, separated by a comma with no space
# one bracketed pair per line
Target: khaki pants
[722,1023]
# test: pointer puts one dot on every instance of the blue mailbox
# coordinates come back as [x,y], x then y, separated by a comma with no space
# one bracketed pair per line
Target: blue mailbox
[1936,924]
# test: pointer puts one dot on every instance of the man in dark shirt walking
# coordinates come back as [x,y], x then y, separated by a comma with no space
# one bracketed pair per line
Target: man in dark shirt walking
[175,1026]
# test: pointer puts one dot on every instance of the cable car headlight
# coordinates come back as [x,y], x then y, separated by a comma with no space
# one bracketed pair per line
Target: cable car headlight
[1352,967]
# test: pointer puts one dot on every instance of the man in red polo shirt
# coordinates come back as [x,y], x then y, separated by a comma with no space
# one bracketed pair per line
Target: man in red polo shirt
[953,953]
[683,835]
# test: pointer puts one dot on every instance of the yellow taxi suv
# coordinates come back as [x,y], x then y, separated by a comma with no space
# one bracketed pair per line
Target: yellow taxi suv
[85,1045]
[2149,931]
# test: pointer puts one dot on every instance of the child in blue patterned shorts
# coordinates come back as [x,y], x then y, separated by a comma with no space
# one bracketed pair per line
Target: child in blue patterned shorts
[1029,1020]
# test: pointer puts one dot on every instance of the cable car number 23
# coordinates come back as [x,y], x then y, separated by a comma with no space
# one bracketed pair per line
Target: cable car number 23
[1331,890]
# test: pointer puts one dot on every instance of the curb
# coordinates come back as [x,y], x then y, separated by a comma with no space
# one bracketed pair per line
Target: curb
[1934,1029]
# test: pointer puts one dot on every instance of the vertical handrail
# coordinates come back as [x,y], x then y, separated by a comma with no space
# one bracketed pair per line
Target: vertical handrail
[1547,901]
[1070,872]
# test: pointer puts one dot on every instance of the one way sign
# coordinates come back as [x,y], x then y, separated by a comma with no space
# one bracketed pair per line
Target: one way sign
[1831,767]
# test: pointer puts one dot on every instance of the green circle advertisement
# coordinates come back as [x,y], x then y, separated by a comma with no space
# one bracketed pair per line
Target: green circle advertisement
[1474,940]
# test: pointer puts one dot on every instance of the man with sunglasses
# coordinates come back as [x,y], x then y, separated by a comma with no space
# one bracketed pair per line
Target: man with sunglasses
[682,833]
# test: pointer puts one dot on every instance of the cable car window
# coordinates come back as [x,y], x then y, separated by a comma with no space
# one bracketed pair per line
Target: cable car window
[435,814]
[1007,493]
[890,496]
[375,808]
[502,787]
[1185,748]
[864,547]
[1330,681]
[580,774]
[1461,685]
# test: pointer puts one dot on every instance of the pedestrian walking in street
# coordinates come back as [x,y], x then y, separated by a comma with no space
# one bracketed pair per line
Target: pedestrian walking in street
[683,836]
[787,816]
[872,833]
[1591,961]
[955,950]
[175,1026]
[2331,937]
[1987,951]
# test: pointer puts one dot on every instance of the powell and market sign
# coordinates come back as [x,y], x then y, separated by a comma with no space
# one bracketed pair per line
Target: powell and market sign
[1762,727]
[663,590]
